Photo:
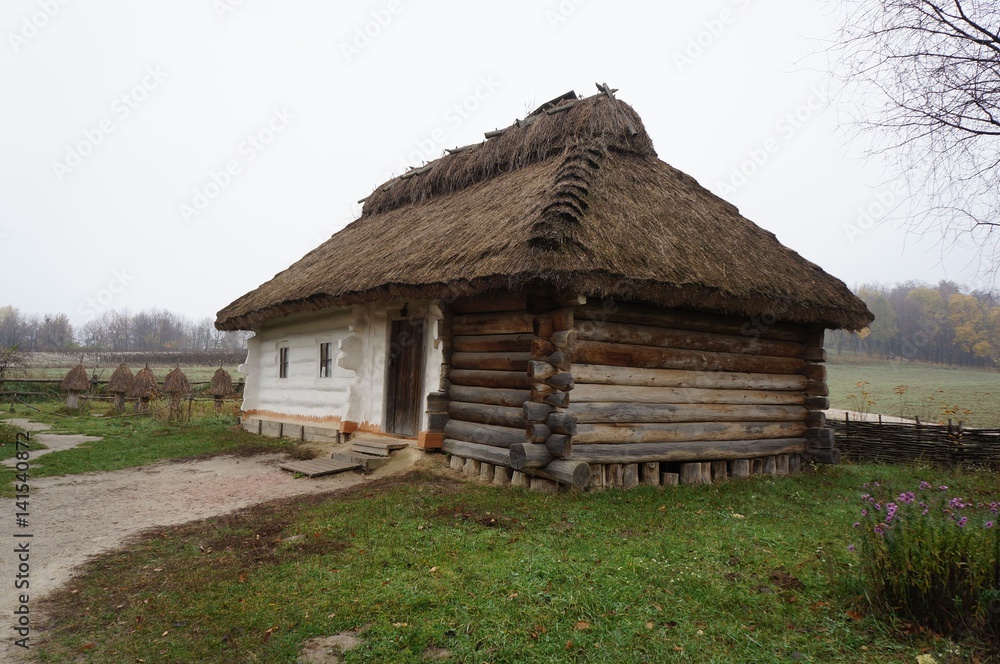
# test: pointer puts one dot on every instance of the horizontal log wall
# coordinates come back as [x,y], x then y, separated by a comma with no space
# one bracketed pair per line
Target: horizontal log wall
[656,386]
[491,345]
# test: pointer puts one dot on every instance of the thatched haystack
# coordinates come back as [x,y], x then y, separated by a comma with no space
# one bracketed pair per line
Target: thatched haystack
[74,384]
[176,384]
[121,384]
[144,388]
[221,387]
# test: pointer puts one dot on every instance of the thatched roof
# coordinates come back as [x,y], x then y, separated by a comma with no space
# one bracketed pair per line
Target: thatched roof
[121,380]
[222,383]
[145,384]
[176,382]
[576,199]
[76,380]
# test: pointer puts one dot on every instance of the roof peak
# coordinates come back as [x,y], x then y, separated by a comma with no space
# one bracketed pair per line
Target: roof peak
[600,122]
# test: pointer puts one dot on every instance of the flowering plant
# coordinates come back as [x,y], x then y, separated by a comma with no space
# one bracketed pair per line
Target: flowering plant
[931,557]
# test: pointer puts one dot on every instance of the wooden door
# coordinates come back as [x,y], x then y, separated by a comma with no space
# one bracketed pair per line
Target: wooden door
[405,377]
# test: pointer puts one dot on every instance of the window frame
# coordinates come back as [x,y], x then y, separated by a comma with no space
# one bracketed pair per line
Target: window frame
[283,362]
[326,361]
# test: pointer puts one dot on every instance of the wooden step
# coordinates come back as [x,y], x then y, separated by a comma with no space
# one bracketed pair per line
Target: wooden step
[320,467]
[368,463]
[377,447]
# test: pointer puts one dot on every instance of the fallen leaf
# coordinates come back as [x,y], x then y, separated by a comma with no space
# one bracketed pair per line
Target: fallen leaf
[569,645]
[854,615]
[926,659]
[400,624]
[738,516]
[434,569]
[582,624]
[649,625]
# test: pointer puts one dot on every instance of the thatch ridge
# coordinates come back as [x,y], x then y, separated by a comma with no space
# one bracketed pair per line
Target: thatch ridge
[144,386]
[121,380]
[593,212]
[76,380]
[176,382]
[222,383]
[599,122]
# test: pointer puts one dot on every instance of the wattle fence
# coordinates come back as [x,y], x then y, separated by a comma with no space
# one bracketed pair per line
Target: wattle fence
[905,442]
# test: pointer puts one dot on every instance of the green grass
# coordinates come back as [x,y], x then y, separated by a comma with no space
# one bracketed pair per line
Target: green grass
[970,395]
[131,441]
[749,571]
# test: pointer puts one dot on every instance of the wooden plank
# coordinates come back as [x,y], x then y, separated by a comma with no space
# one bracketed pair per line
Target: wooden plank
[491,323]
[688,451]
[318,467]
[490,379]
[588,434]
[739,468]
[654,357]
[720,472]
[505,416]
[706,472]
[670,479]
[691,473]
[615,476]
[630,475]
[602,312]
[484,434]
[491,396]
[496,301]
[608,375]
[493,343]
[491,361]
[645,335]
[680,395]
[608,412]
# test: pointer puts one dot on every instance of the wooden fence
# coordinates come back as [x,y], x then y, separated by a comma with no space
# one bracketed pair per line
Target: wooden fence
[947,445]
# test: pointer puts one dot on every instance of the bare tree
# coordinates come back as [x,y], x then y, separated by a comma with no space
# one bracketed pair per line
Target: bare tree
[922,79]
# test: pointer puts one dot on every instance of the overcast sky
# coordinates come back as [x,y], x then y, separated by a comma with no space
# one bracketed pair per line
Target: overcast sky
[178,154]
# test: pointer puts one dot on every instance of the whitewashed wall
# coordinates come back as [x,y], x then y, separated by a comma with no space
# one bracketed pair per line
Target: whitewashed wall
[356,390]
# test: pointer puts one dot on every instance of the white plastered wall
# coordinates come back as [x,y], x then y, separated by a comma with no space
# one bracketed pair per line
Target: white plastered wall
[356,390]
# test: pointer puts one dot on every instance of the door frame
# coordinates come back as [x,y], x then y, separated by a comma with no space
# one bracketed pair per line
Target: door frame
[391,374]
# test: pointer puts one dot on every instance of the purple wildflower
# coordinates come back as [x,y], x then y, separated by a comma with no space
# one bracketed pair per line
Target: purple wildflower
[907,497]
[864,512]
[956,503]
[925,485]
[878,507]
[943,487]
[850,547]
[879,529]
[857,524]
[963,521]
[875,483]
[989,524]
[994,507]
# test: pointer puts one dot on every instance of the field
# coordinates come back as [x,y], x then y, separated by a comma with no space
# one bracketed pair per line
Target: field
[934,393]
[425,566]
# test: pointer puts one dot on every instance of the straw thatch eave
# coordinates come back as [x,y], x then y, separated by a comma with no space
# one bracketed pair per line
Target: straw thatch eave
[597,214]
[76,380]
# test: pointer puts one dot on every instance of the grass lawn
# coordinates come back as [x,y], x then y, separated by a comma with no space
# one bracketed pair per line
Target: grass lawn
[970,395]
[130,441]
[749,571]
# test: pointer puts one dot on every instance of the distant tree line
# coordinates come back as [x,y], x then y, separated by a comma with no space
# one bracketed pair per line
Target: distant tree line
[119,331]
[946,323]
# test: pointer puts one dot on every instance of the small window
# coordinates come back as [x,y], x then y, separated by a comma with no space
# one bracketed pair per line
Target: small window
[283,362]
[325,360]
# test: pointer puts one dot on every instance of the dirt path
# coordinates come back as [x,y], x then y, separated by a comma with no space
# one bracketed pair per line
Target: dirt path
[74,517]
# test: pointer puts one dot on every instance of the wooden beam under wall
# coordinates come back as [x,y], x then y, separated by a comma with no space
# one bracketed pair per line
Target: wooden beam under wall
[484,434]
[491,323]
[491,361]
[608,412]
[491,396]
[567,471]
[460,448]
[505,416]
[492,343]
[698,431]
[687,451]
